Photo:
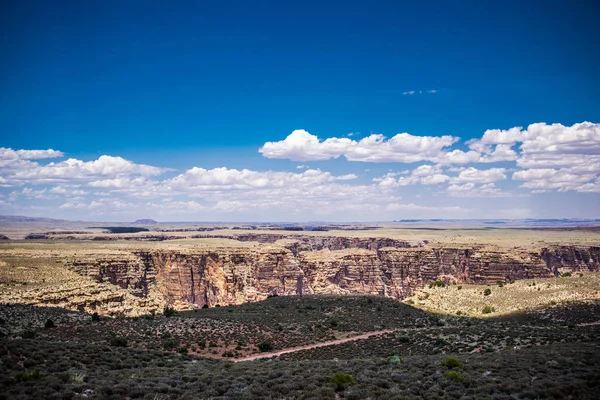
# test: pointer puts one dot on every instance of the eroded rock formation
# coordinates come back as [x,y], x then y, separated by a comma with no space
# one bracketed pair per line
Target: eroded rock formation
[237,275]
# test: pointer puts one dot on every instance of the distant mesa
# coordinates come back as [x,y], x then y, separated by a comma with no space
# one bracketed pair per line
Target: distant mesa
[121,229]
[146,221]
[4,237]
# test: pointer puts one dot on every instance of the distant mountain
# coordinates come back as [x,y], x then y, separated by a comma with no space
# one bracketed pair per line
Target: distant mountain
[16,219]
[145,221]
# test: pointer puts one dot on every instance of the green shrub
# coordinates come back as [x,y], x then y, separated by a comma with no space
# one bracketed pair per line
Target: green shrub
[394,360]
[28,335]
[553,302]
[118,342]
[566,275]
[28,376]
[95,317]
[183,350]
[437,284]
[168,311]
[459,287]
[265,346]
[342,381]
[205,306]
[49,324]
[452,362]
[455,376]
[500,283]
[487,292]
[169,344]
[488,310]
[64,377]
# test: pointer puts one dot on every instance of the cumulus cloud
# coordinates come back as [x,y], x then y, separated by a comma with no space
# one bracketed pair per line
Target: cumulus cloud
[471,190]
[300,145]
[224,178]
[475,175]
[424,174]
[571,152]
[10,154]
[16,168]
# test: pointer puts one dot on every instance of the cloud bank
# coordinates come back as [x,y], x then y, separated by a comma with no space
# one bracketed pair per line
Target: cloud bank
[442,178]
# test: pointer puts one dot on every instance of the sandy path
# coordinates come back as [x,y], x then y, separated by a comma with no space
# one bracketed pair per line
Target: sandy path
[311,346]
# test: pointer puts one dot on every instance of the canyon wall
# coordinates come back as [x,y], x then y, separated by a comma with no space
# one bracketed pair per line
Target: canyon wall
[238,275]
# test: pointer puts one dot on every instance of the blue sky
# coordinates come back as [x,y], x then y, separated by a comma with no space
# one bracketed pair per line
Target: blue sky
[175,86]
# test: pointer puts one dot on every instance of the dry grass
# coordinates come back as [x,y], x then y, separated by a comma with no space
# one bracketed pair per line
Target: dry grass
[512,297]
[30,278]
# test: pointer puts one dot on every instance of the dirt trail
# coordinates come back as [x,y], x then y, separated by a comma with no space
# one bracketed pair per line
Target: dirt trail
[311,346]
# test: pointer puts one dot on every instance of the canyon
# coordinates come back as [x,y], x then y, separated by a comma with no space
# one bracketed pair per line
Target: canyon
[230,275]
[218,269]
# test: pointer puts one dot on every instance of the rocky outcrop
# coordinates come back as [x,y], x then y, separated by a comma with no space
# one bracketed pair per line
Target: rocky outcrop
[128,271]
[238,275]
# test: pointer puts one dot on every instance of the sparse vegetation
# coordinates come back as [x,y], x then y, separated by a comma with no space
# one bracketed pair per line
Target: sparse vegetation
[455,376]
[265,346]
[452,362]
[157,358]
[342,381]
[168,311]
[118,342]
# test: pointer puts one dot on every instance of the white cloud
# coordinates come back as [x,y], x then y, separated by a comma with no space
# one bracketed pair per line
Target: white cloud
[224,178]
[480,176]
[472,190]
[10,154]
[424,174]
[403,147]
[17,169]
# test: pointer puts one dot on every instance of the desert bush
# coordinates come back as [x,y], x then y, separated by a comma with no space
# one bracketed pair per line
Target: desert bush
[394,360]
[452,362]
[64,377]
[488,310]
[49,324]
[168,311]
[169,344]
[487,292]
[205,306]
[455,376]
[500,283]
[437,284]
[28,376]
[95,317]
[342,381]
[459,287]
[566,275]
[265,346]
[28,335]
[118,342]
